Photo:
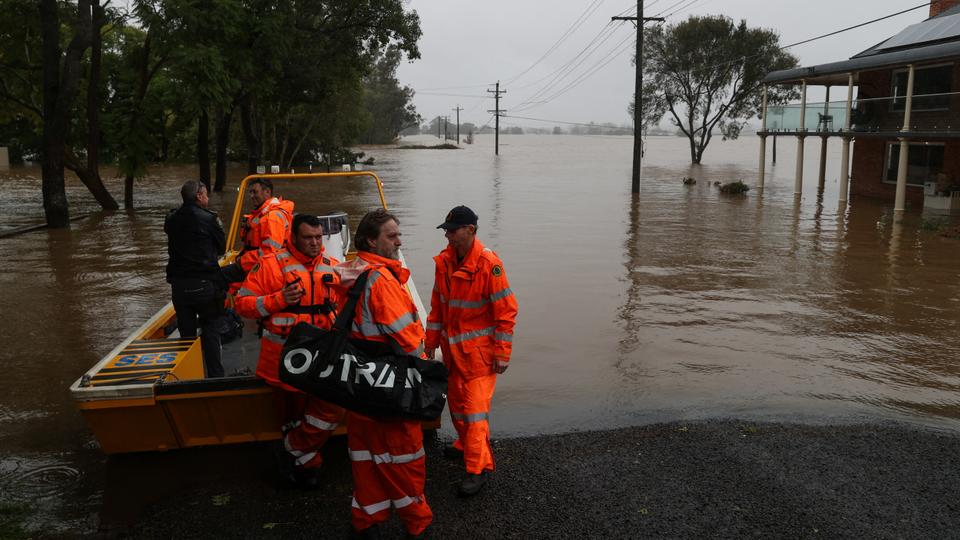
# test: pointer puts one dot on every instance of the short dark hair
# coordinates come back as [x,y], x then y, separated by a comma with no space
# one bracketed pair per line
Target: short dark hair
[189,190]
[300,219]
[265,182]
[369,228]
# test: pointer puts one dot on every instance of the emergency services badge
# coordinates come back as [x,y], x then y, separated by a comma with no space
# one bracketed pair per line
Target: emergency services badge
[497,271]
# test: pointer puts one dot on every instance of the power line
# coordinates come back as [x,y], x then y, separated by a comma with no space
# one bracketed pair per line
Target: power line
[574,64]
[563,122]
[585,75]
[457,87]
[744,58]
[451,95]
[689,6]
[570,30]
[566,64]
[673,5]
[856,26]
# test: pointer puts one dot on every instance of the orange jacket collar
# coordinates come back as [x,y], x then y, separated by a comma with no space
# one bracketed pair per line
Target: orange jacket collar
[307,261]
[267,204]
[376,261]
[469,263]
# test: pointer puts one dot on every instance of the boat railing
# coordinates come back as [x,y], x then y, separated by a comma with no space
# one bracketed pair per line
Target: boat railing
[242,191]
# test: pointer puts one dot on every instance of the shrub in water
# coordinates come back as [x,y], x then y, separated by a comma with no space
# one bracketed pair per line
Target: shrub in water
[734,187]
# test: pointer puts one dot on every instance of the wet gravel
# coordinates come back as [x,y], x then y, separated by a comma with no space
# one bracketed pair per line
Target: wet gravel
[720,479]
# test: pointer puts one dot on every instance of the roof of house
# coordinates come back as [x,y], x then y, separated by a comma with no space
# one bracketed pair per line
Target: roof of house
[936,38]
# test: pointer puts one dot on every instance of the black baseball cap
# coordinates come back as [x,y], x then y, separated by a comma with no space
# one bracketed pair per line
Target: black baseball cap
[460,216]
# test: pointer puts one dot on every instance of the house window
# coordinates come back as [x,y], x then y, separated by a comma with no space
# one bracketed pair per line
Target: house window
[924,161]
[928,80]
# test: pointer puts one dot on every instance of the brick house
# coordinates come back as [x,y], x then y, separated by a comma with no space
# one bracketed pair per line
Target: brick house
[889,115]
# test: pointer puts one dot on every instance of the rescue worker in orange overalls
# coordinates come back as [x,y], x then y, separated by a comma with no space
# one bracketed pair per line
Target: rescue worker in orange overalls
[472,314]
[286,287]
[386,454]
[264,231]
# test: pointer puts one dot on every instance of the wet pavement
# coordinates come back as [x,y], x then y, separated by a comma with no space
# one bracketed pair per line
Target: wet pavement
[718,479]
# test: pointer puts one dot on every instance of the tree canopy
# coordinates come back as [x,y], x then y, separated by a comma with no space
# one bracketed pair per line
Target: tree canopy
[706,73]
[142,82]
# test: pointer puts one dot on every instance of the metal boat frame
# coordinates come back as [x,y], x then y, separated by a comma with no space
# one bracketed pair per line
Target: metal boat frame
[149,392]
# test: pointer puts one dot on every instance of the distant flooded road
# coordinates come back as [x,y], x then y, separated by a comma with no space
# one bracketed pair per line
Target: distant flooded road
[681,303]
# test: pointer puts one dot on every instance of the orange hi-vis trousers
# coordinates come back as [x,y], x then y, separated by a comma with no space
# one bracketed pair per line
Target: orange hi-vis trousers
[307,422]
[469,403]
[389,470]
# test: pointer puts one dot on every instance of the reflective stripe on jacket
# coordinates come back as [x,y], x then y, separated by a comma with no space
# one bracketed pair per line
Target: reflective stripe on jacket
[261,297]
[385,312]
[472,311]
[266,231]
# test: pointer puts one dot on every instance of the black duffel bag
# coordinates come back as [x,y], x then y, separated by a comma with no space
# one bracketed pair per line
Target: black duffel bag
[359,375]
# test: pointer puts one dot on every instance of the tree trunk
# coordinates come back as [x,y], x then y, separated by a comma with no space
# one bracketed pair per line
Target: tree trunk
[91,180]
[128,192]
[203,148]
[145,76]
[164,139]
[60,88]
[223,139]
[55,205]
[250,135]
[91,175]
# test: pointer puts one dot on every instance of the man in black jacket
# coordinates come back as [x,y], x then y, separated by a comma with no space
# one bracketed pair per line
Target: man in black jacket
[195,242]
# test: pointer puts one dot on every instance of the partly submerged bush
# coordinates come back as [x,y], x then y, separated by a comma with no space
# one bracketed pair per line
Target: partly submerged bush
[937,223]
[734,187]
[445,146]
[689,181]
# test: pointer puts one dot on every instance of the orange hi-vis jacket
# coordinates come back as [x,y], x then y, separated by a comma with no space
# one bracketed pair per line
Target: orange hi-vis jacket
[265,230]
[472,311]
[261,297]
[387,458]
[393,317]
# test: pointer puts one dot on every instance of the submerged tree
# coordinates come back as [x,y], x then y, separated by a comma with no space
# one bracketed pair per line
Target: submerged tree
[40,89]
[388,104]
[707,72]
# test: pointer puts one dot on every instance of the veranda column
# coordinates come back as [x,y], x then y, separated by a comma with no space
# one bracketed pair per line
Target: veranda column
[845,150]
[822,175]
[900,202]
[801,133]
[763,138]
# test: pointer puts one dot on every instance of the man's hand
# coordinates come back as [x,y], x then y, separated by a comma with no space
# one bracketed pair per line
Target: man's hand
[292,294]
[499,366]
[431,353]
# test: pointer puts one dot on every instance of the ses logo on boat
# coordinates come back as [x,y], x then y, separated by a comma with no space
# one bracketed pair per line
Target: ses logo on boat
[149,359]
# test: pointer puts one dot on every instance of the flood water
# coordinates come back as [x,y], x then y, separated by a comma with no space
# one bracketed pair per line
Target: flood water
[681,303]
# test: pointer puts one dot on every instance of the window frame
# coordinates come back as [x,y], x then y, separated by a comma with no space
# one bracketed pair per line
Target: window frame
[888,160]
[895,98]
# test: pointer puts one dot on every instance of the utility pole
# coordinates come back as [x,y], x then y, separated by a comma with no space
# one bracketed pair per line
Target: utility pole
[638,93]
[446,119]
[497,113]
[458,109]
[438,126]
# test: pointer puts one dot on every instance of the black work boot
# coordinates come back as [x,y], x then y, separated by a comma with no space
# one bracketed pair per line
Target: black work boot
[370,533]
[452,452]
[421,536]
[473,483]
[285,466]
[307,478]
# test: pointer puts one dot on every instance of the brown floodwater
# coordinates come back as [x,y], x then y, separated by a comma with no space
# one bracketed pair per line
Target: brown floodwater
[681,303]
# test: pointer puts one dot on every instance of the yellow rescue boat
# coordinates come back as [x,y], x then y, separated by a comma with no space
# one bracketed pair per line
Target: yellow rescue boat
[150,393]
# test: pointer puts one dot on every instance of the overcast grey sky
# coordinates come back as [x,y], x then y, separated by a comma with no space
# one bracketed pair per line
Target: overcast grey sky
[468,44]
